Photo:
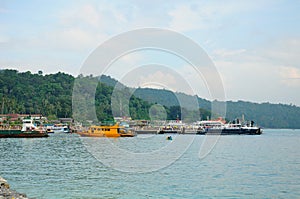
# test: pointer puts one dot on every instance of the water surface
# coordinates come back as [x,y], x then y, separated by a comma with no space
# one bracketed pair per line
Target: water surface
[242,166]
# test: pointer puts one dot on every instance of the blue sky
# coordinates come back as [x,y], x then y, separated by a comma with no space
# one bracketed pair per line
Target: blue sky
[255,45]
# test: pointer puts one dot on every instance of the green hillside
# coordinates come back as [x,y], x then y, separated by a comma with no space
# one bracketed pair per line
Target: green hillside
[264,114]
[51,95]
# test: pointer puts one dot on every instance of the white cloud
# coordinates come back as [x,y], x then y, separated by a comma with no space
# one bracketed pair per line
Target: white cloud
[76,29]
[158,79]
[285,51]
[123,66]
[70,39]
[79,28]
[270,72]
[131,59]
[206,15]
[89,15]
[197,82]
[4,38]
[228,53]
[185,19]
[86,14]
[290,76]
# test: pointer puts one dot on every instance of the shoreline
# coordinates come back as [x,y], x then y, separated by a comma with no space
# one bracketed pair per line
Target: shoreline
[7,193]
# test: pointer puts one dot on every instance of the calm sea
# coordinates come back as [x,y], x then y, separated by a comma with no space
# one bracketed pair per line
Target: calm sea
[265,166]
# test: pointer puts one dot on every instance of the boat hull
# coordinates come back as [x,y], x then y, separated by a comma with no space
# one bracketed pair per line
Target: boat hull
[61,130]
[168,131]
[85,134]
[237,131]
[146,131]
[22,134]
[127,135]
[114,131]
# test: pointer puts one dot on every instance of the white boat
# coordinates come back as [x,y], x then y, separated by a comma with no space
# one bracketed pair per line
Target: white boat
[28,125]
[172,127]
[60,128]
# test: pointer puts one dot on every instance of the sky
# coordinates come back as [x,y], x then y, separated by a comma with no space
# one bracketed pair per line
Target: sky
[254,45]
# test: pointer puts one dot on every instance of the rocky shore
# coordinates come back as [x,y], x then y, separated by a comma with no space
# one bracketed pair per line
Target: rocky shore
[7,193]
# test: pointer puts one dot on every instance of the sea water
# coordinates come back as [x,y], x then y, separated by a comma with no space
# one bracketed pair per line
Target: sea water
[238,166]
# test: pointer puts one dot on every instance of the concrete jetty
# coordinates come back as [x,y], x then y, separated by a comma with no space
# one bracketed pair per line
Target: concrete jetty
[7,193]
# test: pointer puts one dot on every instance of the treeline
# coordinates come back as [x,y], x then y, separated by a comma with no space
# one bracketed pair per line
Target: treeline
[264,114]
[29,93]
[92,96]
[51,96]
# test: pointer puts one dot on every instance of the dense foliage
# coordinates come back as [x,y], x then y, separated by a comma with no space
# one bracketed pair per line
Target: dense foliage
[51,95]
[34,93]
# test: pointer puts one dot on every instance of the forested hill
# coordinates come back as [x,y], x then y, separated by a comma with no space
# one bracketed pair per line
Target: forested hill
[265,114]
[51,95]
[168,98]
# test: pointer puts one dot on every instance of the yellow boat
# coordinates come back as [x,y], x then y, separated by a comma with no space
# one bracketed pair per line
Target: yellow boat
[113,131]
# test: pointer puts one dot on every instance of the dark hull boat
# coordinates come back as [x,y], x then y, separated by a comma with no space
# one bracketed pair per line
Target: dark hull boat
[163,131]
[29,130]
[7,133]
[231,131]
[219,128]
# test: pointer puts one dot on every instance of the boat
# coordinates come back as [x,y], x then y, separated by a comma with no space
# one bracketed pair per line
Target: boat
[29,130]
[49,129]
[147,130]
[167,129]
[219,128]
[169,138]
[60,128]
[173,127]
[112,131]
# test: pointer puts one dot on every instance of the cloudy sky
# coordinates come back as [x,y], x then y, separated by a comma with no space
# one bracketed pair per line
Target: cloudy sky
[255,45]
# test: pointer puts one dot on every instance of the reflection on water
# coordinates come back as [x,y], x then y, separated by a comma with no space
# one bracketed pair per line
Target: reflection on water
[266,166]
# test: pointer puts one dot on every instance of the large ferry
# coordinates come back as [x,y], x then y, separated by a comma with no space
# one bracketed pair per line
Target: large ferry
[28,130]
[219,128]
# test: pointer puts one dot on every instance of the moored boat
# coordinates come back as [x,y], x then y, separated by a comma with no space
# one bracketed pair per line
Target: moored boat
[147,130]
[60,128]
[172,127]
[167,129]
[49,130]
[113,131]
[29,130]
[219,128]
